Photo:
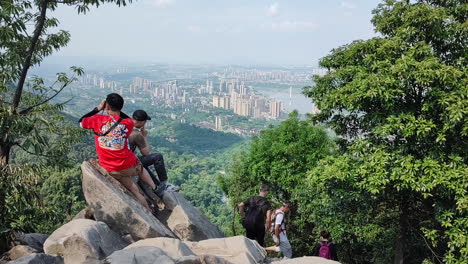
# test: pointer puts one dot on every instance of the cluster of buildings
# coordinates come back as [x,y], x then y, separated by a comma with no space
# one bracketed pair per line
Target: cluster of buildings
[268,76]
[98,81]
[249,105]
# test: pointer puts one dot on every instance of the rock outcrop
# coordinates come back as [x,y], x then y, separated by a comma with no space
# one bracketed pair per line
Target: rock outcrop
[21,251]
[140,255]
[185,220]
[116,229]
[38,258]
[115,206]
[33,240]
[83,239]
[172,247]
[236,250]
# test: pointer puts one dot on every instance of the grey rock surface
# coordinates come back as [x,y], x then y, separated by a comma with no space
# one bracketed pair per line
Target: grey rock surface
[33,240]
[187,221]
[38,258]
[20,251]
[236,250]
[117,207]
[140,255]
[172,247]
[83,239]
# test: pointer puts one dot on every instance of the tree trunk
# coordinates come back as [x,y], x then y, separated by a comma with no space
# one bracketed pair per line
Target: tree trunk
[399,246]
[4,154]
[402,228]
[29,54]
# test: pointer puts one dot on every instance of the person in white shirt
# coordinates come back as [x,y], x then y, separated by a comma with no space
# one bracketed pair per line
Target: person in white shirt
[279,232]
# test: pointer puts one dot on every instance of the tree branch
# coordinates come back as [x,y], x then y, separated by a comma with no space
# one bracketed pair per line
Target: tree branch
[27,110]
[29,54]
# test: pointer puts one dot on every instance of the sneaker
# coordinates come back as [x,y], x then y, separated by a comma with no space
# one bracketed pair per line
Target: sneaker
[159,190]
[171,187]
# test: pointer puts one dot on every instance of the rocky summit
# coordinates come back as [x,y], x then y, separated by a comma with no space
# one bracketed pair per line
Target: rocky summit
[116,229]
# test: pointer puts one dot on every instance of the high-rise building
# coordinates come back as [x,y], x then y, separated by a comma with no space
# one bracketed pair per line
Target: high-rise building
[275,109]
[218,123]
[221,86]
[216,100]
[225,102]
[257,112]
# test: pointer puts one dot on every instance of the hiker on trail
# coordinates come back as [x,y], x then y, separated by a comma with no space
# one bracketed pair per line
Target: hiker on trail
[278,231]
[325,248]
[111,140]
[138,139]
[257,218]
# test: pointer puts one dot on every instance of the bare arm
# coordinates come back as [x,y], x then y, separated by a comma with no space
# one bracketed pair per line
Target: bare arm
[277,234]
[146,150]
[241,207]
[268,220]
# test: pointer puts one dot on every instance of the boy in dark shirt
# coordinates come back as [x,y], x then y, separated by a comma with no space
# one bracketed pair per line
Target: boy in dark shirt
[138,139]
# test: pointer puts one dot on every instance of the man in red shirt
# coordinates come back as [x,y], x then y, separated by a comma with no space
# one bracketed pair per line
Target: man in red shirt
[111,140]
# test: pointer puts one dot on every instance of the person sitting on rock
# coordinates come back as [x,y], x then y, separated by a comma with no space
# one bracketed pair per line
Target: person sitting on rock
[138,138]
[257,218]
[278,231]
[325,248]
[111,140]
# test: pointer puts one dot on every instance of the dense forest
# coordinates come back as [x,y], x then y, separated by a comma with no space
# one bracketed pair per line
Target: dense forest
[390,185]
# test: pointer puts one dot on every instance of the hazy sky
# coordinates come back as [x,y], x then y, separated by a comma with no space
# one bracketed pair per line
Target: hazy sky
[278,32]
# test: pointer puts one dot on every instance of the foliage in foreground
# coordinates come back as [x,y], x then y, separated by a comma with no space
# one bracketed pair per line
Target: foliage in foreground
[398,191]
[281,157]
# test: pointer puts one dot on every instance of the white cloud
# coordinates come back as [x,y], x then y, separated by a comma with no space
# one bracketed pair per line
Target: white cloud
[294,26]
[348,5]
[163,3]
[273,10]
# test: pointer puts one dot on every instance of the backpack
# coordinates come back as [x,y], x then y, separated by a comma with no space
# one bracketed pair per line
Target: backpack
[324,251]
[272,226]
[254,216]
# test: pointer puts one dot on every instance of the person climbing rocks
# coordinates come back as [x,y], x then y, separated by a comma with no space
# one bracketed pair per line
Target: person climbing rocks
[256,213]
[278,231]
[325,247]
[138,139]
[111,141]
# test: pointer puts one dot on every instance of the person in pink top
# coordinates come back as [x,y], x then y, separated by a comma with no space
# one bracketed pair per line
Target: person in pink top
[111,140]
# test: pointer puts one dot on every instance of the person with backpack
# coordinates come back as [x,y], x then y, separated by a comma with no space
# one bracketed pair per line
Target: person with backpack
[325,248]
[278,231]
[111,139]
[256,214]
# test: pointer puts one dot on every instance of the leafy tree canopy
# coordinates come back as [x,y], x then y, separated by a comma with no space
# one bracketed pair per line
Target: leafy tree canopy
[281,157]
[399,103]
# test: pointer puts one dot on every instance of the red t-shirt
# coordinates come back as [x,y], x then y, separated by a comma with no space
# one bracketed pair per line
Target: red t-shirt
[113,150]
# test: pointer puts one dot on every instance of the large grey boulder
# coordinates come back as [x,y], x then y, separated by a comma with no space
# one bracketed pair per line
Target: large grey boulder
[139,255]
[83,239]
[172,247]
[185,220]
[20,251]
[306,260]
[33,240]
[117,207]
[236,250]
[38,258]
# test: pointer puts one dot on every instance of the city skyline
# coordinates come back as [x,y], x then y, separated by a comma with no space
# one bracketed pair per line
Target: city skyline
[223,32]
